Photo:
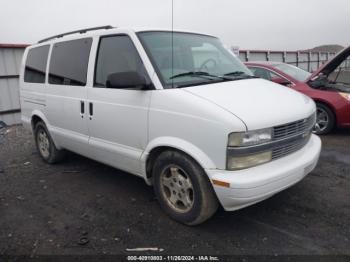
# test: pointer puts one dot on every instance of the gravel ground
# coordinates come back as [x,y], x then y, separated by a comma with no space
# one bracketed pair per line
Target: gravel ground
[82,207]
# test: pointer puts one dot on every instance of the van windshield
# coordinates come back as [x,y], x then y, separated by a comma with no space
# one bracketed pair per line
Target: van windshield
[187,59]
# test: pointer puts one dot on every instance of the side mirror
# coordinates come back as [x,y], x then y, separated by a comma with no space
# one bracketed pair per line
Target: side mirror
[126,80]
[280,80]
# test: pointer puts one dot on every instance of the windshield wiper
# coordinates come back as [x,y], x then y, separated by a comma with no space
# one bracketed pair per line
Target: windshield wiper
[196,74]
[239,74]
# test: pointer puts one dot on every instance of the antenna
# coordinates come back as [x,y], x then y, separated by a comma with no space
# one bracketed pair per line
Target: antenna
[172,42]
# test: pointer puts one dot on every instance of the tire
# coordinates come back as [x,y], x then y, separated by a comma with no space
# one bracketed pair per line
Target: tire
[183,189]
[45,145]
[326,114]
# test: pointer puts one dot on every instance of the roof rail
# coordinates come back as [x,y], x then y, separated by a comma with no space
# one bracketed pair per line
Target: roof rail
[81,31]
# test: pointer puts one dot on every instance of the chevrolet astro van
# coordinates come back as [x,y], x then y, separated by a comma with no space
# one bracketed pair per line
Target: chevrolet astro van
[175,108]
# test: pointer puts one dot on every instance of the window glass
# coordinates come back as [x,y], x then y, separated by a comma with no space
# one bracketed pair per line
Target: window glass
[182,59]
[263,73]
[295,72]
[69,62]
[116,54]
[36,62]
[209,55]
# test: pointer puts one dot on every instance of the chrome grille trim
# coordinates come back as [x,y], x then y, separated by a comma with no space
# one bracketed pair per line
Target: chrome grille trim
[283,132]
[294,128]
[289,148]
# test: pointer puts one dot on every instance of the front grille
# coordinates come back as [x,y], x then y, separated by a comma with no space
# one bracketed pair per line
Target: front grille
[289,148]
[294,128]
[301,128]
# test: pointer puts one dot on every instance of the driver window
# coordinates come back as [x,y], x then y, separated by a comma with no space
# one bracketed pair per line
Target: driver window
[261,72]
[264,73]
[116,54]
[273,75]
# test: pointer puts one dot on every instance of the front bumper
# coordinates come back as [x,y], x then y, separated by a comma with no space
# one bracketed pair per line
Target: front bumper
[255,184]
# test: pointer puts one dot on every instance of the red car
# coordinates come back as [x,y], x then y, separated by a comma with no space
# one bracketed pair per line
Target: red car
[329,86]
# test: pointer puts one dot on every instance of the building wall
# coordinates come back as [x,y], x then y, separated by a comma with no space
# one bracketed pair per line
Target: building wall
[10,61]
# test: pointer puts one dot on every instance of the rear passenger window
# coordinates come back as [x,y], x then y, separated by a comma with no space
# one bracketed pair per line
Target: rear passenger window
[69,62]
[116,54]
[35,68]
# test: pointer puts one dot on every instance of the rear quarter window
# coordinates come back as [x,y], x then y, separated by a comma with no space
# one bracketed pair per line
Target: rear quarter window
[69,62]
[35,67]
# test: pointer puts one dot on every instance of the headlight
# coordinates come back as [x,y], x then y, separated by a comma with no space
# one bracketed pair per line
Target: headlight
[250,138]
[238,141]
[345,95]
[241,162]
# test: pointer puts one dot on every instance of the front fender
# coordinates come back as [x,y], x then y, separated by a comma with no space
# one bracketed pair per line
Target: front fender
[196,153]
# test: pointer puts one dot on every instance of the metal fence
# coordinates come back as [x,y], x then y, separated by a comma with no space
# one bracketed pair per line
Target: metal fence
[308,61]
[10,60]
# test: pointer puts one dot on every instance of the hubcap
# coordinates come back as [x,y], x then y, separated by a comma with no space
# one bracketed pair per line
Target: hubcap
[177,189]
[43,143]
[322,120]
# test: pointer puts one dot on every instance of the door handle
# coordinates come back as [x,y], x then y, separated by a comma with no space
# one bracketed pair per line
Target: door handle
[91,110]
[82,109]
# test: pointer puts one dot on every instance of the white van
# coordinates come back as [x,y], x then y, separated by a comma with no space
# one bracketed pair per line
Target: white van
[175,108]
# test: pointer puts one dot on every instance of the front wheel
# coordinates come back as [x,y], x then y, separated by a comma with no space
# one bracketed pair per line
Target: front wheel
[325,120]
[183,189]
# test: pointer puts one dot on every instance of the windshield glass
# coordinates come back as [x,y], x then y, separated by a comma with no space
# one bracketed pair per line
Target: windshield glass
[293,71]
[184,59]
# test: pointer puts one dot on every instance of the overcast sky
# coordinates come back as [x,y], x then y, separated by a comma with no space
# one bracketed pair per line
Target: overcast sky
[249,24]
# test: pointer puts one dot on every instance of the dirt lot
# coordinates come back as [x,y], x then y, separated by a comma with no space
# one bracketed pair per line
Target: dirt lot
[83,207]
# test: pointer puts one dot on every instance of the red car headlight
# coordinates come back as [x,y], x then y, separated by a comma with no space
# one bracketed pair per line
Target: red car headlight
[345,95]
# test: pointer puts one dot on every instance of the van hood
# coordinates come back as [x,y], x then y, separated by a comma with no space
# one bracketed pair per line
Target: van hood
[258,103]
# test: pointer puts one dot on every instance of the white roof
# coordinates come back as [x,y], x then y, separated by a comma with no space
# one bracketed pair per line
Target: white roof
[115,30]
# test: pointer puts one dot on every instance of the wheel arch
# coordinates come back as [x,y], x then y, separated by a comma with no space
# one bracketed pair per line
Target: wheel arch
[330,106]
[36,117]
[156,147]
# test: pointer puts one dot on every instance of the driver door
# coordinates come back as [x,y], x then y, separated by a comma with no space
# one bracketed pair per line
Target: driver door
[118,118]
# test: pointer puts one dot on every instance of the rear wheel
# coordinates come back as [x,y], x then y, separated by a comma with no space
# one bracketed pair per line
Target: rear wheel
[325,120]
[183,189]
[45,145]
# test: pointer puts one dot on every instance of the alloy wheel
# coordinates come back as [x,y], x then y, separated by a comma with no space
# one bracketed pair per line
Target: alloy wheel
[322,120]
[43,143]
[177,188]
